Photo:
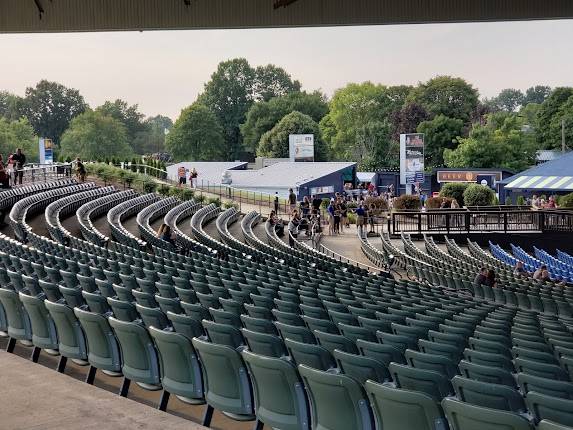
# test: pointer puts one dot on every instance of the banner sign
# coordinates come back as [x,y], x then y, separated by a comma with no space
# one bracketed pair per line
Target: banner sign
[46,147]
[465,176]
[301,147]
[322,190]
[412,158]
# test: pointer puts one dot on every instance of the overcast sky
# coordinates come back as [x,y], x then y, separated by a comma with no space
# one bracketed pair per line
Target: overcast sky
[164,71]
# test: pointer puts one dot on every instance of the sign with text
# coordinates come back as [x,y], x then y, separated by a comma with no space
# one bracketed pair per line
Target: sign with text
[411,158]
[301,147]
[46,147]
[465,176]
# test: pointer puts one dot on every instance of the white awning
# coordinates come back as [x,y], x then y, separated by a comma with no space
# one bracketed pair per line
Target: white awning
[365,176]
[542,183]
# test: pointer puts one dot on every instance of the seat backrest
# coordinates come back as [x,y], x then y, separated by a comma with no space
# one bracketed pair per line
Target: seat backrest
[259,325]
[280,398]
[393,407]
[438,363]
[337,401]
[465,416]
[430,382]
[178,363]
[103,348]
[44,334]
[381,352]
[335,341]
[185,325]
[140,362]
[549,387]
[96,302]
[361,368]
[493,375]
[223,334]
[550,425]
[268,345]
[152,317]
[225,379]
[71,339]
[488,359]
[545,407]
[488,395]
[122,310]
[543,370]
[310,355]
[295,332]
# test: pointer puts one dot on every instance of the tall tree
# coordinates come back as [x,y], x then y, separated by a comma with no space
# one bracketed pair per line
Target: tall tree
[272,81]
[561,122]
[275,143]
[440,133]
[502,142]
[351,109]
[229,95]
[509,99]
[50,107]
[263,116]
[546,134]
[130,117]
[18,134]
[152,140]
[92,135]
[407,119]
[536,94]
[11,106]
[196,136]
[452,97]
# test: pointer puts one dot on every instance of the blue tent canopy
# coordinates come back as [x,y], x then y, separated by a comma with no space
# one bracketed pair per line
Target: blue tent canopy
[556,175]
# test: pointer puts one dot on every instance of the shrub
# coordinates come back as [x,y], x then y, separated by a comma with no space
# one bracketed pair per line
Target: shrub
[407,201]
[566,201]
[436,202]
[215,200]
[520,200]
[454,190]
[230,204]
[164,189]
[478,195]
[129,178]
[176,192]
[380,203]
[187,194]
[508,201]
[200,198]
[149,185]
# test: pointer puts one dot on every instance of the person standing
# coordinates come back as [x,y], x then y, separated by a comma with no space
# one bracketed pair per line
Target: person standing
[291,200]
[316,202]
[182,176]
[293,228]
[193,178]
[276,202]
[4,179]
[10,169]
[337,215]
[80,170]
[360,215]
[19,161]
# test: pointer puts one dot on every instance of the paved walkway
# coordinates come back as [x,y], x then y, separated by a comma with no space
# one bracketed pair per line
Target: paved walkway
[36,397]
[347,245]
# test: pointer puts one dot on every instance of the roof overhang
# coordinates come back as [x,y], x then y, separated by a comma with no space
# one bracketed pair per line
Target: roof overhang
[550,183]
[38,16]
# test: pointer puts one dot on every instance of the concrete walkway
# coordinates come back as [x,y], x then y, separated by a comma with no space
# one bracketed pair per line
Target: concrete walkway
[35,397]
[347,245]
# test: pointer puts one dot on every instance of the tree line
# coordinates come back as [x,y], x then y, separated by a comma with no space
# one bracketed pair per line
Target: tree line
[245,111]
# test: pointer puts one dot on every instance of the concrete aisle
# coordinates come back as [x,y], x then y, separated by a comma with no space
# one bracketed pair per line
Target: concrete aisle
[35,397]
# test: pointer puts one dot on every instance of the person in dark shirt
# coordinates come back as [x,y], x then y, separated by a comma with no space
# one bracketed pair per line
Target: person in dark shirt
[316,202]
[19,160]
[276,202]
[291,200]
[490,280]
[481,277]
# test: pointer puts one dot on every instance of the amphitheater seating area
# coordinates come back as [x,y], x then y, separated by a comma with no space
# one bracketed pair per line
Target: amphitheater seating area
[232,319]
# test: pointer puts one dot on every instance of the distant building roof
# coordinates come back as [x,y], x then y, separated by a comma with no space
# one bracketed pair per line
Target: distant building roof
[544,155]
[207,171]
[285,175]
[556,175]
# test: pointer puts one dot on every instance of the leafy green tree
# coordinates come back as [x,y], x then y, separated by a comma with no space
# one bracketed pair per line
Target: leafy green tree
[440,133]
[130,117]
[92,134]
[546,133]
[11,106]
[196,136]
[536,94]
[499,143]
[50,107]
[275,143]
[454,190]
[563,118]
[374,148]
[153,139]
[352,108]
[508,100]
[18,134]
[263,116]
[272,81]
[529,113]
[229,95]
[452,97]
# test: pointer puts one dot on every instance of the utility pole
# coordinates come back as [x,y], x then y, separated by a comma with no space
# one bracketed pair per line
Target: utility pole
[563,146]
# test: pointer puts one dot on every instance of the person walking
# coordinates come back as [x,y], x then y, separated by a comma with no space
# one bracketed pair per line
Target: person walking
[330,210]
[10,169]
[4,178]
[19,161]
[360,216]
[337,216]
[182,176]
[193,178]
[80,170]
[276,202]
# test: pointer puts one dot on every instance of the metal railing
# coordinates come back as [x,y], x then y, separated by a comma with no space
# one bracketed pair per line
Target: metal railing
[35,173]
[463,221]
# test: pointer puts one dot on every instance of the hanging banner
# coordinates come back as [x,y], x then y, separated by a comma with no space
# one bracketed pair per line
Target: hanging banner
[301,147]
[411,158]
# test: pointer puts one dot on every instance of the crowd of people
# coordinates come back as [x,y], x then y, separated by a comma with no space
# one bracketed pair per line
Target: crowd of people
[487,276]
[539,202]
[12,171]
[183,174]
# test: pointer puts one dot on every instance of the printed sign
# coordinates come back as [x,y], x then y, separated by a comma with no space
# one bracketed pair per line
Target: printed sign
[301,147]
[411,158]
[46,147]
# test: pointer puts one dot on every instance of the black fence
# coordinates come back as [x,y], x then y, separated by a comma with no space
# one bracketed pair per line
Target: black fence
[464,221]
